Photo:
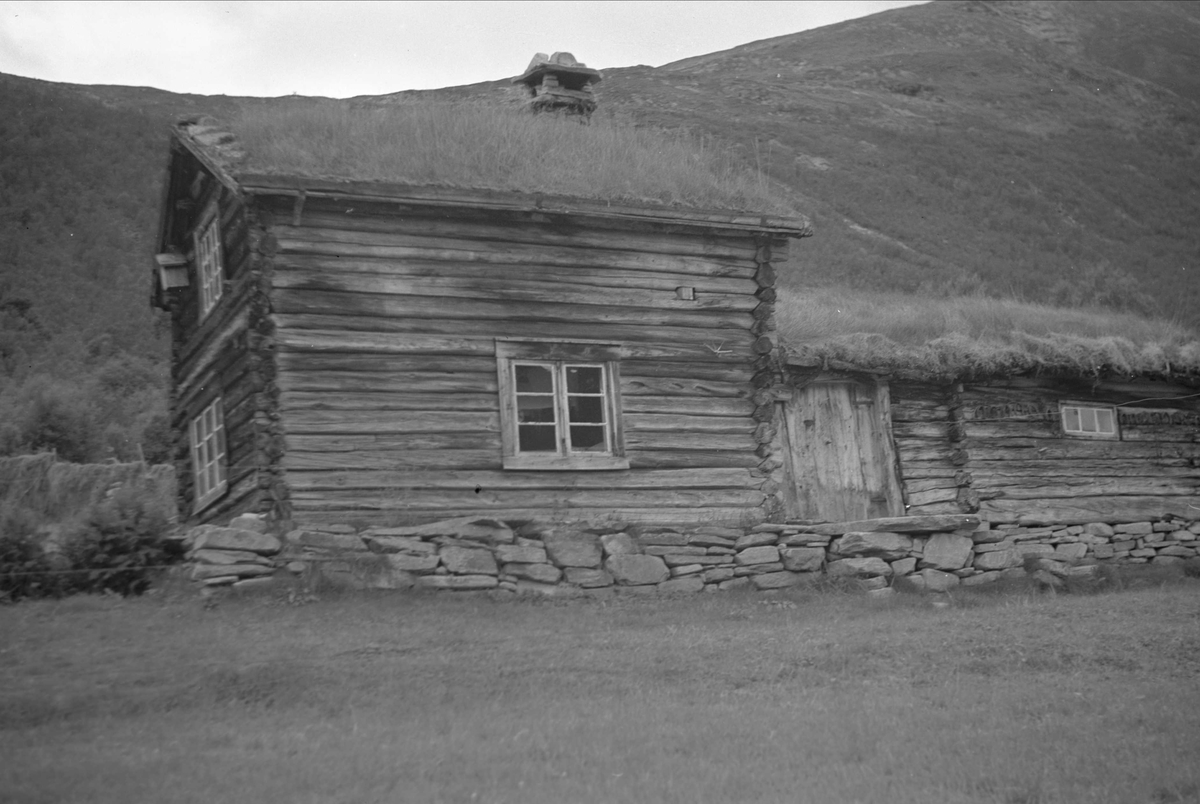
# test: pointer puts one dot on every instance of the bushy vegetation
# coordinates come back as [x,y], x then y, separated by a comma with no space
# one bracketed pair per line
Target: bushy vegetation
[493,146]
[119,547]
[68,528]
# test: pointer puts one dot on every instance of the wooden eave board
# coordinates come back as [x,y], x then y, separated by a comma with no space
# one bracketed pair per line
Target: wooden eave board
[425,196]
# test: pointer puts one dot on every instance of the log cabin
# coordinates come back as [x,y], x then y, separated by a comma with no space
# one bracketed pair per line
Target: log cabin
[375,352]
[1058,446]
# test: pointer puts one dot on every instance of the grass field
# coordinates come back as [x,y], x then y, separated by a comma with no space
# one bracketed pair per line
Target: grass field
[815,697]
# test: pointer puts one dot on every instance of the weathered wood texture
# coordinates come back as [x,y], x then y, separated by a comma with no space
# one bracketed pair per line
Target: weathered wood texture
[386,326]
[216,355]
[839,459]
[1024,468]
[929,462]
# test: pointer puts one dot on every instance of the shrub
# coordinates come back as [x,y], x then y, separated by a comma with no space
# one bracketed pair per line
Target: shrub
[25,567]
[122,545]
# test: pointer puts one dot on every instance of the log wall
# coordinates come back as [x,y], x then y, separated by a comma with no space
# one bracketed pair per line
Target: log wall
[930,458]
[1024,469]
[386,321]
[221,353]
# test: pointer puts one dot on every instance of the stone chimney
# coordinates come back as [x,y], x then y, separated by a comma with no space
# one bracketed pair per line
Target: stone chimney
[558,83]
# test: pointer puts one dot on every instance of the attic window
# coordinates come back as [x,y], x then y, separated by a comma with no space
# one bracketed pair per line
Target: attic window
[1089,421]
[559,406]
[209,269]
[208,453]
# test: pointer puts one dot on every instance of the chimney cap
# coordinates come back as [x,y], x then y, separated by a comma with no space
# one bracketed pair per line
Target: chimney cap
[560,63]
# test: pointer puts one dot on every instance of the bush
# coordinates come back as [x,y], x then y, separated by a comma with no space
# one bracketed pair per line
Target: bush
[26,570]
[119,549]
[122,545]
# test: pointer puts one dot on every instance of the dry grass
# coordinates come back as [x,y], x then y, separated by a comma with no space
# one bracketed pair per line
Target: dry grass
[813,697]
[53,492]
[481,146]
[976,336]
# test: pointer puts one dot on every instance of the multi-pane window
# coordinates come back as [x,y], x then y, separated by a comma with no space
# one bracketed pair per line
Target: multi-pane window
[209,271]
[1089,421]
[559,414]
[208,454]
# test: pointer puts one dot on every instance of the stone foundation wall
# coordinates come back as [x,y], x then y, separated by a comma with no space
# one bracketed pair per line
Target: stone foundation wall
[934,553]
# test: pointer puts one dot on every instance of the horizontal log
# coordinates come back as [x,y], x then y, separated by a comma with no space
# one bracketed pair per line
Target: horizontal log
[383,364]
[393,444]
[913,485]
[719,250]
[546,499]
[1161,432]
[679,405]
[698,427]
[313,340]
[730,516]
[1047,488]
[642,440]
[692,459]
[928,470]
[400,400]
[932,496]
[644,369]
[345,243]
[417,382]
[448,458]
[510,290]
[728,280]
[502,482]
[720,339]
[925,430]
[393,460]
[910,413]
[363,422]
[1081,510]
[921,450]
[336,302]
[985,470]
[1033,449]
[663,387]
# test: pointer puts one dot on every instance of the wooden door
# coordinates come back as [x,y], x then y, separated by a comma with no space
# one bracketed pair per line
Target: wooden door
[839,458]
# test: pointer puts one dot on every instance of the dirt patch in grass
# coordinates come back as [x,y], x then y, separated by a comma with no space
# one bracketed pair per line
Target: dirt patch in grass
[809,697]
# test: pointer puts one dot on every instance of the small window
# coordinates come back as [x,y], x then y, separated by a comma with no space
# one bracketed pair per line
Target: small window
[1089,421]
[208,454]
[209,269]
[559,406]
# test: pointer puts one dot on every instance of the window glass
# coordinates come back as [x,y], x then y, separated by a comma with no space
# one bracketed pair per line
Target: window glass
[559,414]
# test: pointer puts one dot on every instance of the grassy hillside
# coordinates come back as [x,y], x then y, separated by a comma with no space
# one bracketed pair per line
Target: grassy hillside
[1039,152]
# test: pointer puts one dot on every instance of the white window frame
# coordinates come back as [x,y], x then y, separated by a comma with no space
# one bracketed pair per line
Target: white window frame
[210,266]
[208,454]
[559,357]
[1083,420]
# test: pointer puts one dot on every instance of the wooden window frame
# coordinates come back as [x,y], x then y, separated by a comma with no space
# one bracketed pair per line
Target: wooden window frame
[209,469]
[210,263]
[1080,409]
[558,356]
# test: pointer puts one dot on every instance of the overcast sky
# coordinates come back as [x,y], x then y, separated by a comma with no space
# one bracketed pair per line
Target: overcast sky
[343,49]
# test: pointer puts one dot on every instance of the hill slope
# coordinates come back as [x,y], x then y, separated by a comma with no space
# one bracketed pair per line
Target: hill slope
[1043,150]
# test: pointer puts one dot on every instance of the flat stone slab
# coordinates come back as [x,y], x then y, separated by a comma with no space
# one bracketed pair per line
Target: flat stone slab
[937,523]
[217,538]
[472,528]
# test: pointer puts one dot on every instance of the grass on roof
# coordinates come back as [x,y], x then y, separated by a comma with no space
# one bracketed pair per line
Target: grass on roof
[476,146]
[976,336]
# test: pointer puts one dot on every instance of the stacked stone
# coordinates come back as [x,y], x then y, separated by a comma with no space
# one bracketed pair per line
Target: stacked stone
[934,553]
[240,555]
[1164,542]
